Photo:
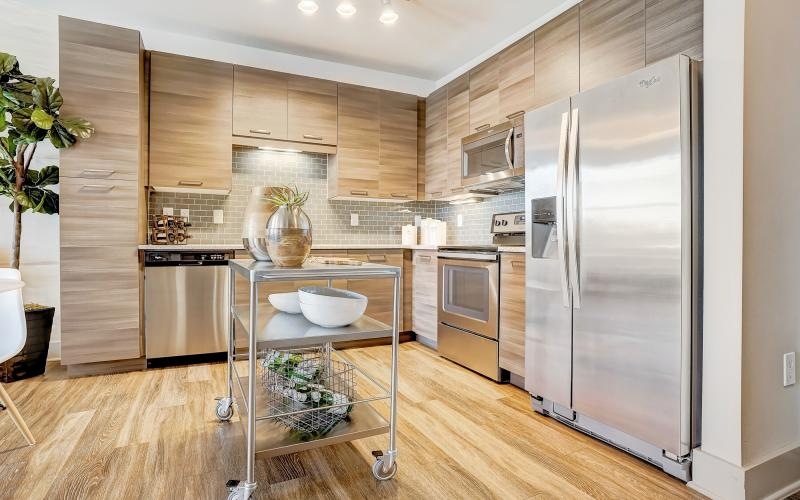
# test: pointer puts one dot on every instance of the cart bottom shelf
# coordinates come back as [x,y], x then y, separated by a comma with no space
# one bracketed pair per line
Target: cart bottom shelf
[273,439]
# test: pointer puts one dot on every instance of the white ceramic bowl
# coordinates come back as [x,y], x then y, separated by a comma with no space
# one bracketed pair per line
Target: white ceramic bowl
[285,302]
[331,307]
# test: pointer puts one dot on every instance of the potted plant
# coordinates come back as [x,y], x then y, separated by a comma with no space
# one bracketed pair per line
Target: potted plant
[288,228]
[30,114]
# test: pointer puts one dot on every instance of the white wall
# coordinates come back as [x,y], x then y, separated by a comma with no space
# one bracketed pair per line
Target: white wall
[771,291]
[32,36]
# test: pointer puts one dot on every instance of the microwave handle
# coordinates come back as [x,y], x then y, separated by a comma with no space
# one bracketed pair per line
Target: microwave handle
[509,159]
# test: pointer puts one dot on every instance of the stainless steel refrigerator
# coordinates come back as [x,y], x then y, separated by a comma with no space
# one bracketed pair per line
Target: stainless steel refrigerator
[612,178]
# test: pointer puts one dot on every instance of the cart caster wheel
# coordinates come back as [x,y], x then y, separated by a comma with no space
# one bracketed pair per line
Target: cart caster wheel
[238,495]
[224,410]
[380,475]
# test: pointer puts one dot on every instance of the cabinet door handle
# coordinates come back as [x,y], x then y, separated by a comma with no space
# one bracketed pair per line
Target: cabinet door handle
[376,258]
[424,258]
[435,194]
[399,195]
[359,192]
[190,183]
[312,137]
[483,127]
[99,188]
[260,131]
[517,264]
[97,173]
[456,189]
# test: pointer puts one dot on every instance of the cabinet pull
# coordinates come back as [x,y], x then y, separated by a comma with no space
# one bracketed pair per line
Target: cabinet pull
[435,194]
[483,127]
[99,188]
[97,173]
[359,192]
[260,131]
[456,189]
[312,137]
[376,258]
[517,264]
[190,183]
[399,195]
[515,114]
[424,258]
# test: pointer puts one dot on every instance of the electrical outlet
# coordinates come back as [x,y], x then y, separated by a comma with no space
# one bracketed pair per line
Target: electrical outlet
[167,211]
[789,369]
[218,216]
[185,213]
[353,219]
[460,220]
[417,220]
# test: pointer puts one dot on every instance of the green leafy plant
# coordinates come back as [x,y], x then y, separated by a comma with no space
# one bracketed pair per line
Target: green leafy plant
[287,197]
[29,114]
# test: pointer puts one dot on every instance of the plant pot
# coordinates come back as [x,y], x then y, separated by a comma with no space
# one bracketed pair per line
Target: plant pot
[289,236]
[32,359]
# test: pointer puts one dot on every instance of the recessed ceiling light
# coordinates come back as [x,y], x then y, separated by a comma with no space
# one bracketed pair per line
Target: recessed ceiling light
[388,15]
[308,6]
[346,8]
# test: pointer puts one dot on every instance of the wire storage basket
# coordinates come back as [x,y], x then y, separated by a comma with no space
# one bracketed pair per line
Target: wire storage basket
[308,391]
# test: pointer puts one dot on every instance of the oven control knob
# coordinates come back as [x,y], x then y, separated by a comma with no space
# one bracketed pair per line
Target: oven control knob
[505,222]
[497,223]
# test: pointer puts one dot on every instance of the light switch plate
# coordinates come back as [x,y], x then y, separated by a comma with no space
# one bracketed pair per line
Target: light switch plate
[789,369]
[460,220]
[417,220]
[185,213]
[353,219]
[167,211]
[218,216]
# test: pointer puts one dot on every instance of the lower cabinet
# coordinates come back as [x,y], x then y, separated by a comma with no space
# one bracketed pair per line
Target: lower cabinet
[512,313]
[424,293]
[379,291]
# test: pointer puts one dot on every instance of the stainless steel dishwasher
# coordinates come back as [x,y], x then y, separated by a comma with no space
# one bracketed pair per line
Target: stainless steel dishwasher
[185,303]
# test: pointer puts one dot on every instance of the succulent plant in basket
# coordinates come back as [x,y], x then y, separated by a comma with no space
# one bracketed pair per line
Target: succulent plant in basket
[288,228]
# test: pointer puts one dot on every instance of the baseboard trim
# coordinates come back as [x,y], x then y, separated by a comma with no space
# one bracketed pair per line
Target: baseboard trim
[106,367]
[775,478]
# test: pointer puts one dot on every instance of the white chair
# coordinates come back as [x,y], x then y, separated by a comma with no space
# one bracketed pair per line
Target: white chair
[12,338]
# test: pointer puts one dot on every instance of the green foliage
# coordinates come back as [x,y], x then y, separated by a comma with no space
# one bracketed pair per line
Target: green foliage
[288,197]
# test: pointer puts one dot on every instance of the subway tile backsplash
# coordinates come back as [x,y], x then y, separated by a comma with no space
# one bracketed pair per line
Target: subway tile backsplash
[379,223]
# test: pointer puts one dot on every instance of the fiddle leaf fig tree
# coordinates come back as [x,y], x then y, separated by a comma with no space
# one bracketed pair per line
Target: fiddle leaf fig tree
[29,114]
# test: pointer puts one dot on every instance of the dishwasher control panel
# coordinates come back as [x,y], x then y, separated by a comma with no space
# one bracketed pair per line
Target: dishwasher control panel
[186,258]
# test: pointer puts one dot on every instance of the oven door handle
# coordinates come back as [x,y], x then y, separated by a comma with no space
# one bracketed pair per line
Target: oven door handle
[468,256]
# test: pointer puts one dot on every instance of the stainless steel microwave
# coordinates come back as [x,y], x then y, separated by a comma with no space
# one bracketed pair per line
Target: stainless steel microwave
[494,158]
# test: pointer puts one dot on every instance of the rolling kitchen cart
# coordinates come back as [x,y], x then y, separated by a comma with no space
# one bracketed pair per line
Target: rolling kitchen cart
[265,328]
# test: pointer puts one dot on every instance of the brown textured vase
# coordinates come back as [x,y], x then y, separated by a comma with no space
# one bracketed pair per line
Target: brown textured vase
[289,237]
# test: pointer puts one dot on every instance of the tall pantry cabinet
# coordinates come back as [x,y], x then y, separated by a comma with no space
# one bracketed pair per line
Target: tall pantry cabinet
[102,79]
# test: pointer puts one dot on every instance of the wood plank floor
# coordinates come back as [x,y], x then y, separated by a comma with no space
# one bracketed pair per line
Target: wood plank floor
[153,435]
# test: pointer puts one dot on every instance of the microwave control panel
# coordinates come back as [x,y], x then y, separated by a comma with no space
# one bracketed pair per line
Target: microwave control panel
[513,222]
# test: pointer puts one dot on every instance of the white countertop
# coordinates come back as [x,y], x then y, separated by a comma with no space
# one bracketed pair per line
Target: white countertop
[512,249]
[200,246]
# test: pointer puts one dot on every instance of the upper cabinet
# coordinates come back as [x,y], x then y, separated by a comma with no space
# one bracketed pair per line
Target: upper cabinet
[436,144]
[260,103]
[612,40]
[190,123]
[556,58]
[312,108]
[673,27]
[516,78]
[377,145]
[484,95]
[458,127]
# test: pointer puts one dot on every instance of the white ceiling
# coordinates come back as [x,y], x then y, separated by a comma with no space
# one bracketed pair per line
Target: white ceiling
[432,39]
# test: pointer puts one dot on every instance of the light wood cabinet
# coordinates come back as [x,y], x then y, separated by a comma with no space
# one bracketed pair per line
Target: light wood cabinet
[512,313]
[557,58]
[673,27]
[377,146]
[103,212]
[260,103]
[312,108]
[379,291]
[436,144]
[458,127]
[190,123]
[424,296]
[354,169]
[484,94]
[398,146]
[612,40]
[516,78]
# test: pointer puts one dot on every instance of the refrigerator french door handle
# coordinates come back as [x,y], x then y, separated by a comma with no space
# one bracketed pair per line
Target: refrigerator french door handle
[561,226]
[572,211]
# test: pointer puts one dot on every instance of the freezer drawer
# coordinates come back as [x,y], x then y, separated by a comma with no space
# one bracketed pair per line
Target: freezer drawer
[477,353]
[186,310]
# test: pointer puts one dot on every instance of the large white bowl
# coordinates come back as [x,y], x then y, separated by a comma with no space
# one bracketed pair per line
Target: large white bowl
[285,302]
[331,307]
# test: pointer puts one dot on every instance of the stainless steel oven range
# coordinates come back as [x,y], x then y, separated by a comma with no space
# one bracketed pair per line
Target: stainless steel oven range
[469,298]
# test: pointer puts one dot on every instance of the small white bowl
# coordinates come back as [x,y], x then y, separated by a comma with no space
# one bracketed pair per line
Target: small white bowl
[331,307]
[285,302]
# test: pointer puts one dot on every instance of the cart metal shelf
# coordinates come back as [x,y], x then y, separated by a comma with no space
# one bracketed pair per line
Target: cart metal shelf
[276,330]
